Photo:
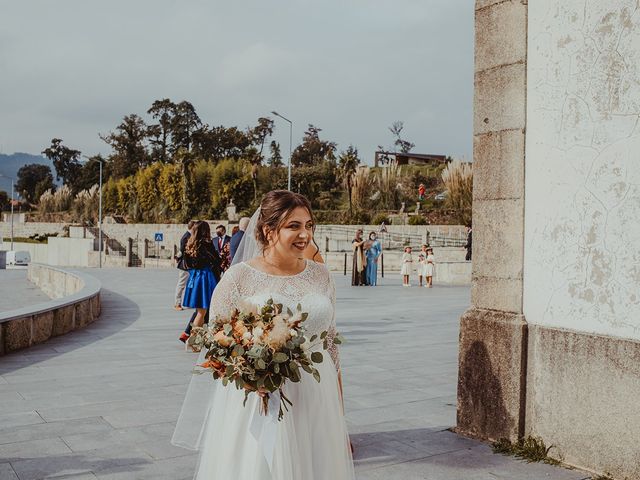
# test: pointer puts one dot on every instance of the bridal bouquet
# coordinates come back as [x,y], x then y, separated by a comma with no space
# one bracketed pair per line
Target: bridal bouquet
[259,349]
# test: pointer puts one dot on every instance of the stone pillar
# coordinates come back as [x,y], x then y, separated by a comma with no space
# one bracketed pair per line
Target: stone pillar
[493,332]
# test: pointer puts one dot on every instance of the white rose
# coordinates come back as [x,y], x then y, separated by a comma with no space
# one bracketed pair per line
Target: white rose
[258,332]
[247,336]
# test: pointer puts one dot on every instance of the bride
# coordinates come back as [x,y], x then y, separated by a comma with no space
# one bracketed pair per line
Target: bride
[236,442]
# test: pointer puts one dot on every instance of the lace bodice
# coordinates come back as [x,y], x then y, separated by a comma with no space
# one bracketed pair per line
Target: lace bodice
[313,289]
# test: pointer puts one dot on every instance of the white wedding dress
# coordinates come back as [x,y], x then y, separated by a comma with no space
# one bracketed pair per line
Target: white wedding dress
[311,441]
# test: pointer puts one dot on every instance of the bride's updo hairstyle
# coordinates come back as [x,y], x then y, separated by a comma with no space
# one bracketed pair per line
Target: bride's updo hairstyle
[275,208]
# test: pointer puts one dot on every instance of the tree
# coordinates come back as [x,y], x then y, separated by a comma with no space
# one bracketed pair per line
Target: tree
[220,142]
[89,174]
[33,181]
[185,122]
[260,133]
[128,143]
[276,157]
[164,112]
[312,150]
[65,160]
[347,166]
[4,200]
[404,145]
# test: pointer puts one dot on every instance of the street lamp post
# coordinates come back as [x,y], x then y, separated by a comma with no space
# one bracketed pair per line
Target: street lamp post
[10,178]
[290,146]
[100,219]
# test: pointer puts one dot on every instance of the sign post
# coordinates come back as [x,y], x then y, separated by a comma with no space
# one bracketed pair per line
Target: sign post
[159,237]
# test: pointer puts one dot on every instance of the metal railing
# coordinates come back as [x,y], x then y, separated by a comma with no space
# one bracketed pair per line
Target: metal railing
[392,240]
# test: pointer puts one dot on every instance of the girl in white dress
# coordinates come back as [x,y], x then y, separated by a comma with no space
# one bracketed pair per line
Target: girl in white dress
[429,265]
[236,442]
[422,261]
[407,266]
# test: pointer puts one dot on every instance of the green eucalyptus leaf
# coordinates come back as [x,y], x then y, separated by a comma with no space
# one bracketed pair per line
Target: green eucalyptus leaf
[323,335]
[317,357]
[280,357]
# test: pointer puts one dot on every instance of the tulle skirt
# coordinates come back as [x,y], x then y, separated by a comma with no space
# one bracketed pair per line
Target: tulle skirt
[311,441]
[199,289]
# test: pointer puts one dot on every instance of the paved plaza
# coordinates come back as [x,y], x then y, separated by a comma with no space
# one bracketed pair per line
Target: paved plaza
[14,287]
[102,402]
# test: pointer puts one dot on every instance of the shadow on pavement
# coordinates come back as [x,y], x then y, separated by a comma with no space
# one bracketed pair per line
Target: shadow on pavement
[110,322]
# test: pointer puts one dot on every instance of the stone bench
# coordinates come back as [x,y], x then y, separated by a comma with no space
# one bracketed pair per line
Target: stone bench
[75,303]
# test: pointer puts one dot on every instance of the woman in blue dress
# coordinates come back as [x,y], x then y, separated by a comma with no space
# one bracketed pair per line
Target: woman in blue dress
[203,263]
[373,251]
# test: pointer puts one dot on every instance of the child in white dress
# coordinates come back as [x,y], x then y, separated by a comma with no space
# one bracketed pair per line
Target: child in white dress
[429,265]
[422,261]
[407,263]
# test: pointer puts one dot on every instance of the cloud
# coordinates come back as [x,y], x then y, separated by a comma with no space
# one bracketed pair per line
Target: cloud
[349,66]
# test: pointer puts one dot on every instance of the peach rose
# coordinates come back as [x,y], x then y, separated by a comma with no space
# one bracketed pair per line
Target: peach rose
[222,339]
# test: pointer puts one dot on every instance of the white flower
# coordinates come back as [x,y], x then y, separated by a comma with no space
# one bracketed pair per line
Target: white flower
[258,332]
[293,332]
[247,307]
[247,336]
[279,333]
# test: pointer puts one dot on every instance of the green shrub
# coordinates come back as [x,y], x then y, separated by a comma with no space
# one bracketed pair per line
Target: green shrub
[379,218]
[417,220]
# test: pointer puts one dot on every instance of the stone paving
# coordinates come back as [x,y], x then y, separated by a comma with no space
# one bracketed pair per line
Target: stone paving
[102,402]
[16,291]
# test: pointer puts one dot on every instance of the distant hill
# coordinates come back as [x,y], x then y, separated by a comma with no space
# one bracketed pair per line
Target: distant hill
[10,164]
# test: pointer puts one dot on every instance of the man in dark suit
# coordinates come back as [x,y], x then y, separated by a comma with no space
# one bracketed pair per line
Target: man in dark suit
[236,237]
[221,242]
[468,245]
[221,239]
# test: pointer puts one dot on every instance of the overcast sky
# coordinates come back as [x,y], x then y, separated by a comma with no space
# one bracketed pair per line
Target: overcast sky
[74,68]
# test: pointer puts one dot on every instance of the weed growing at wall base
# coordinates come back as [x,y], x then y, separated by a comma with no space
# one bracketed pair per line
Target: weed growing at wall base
[531,449]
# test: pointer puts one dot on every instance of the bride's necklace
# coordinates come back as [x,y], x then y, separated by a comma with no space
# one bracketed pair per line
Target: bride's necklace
[281,270]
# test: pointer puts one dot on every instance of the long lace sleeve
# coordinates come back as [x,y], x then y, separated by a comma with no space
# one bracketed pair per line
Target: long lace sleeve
[332,331]
[226,295]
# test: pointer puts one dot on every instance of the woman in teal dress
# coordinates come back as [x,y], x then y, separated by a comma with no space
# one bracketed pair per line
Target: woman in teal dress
[373,249]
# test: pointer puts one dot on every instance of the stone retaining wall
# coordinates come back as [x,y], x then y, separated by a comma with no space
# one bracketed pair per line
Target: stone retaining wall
[75,303]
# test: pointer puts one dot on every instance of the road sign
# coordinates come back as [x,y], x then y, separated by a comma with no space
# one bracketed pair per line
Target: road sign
[159,237]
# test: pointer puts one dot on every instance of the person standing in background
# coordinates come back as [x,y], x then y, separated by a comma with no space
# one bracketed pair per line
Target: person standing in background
[220,241]
[236,237]
[422,263]
[359,260]
[407,267]
[429,266]
[373,249]
[203,263]
[468,245]
[183,273]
